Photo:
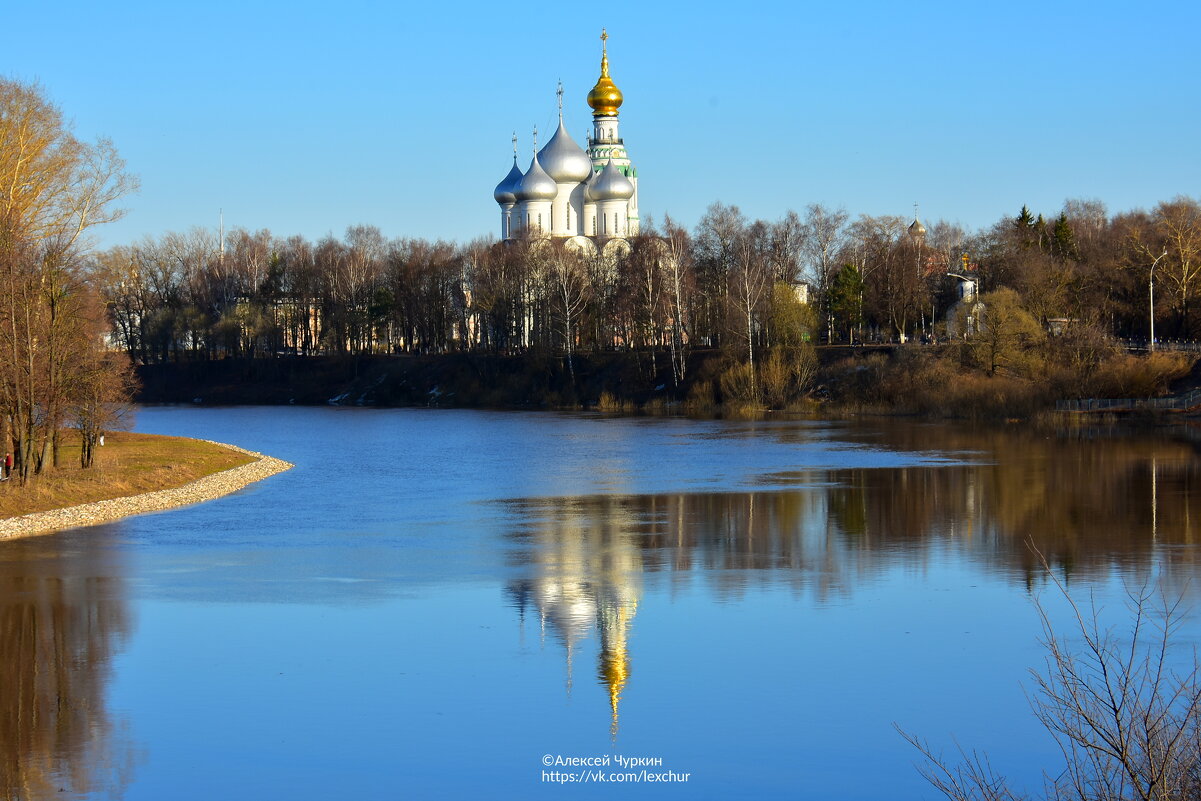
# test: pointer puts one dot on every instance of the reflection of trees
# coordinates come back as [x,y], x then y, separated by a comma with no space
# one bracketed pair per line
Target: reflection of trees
[1093,506]
[1089,500]
[61,621]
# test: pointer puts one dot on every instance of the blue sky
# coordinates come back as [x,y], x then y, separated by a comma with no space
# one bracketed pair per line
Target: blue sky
[306,118]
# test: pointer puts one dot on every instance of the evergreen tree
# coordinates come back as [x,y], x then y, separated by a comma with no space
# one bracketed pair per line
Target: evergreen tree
[1063,241]
[846,299]
[1025,220]
[1030,229]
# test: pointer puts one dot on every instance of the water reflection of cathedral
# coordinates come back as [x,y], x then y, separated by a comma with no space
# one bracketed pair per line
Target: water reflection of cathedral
[585,577]
[1088,506]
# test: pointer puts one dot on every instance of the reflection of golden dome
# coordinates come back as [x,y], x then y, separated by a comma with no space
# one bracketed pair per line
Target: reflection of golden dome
[614,669]
[605,98]
[615,672]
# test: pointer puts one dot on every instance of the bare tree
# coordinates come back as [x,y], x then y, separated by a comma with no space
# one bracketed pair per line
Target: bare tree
[568,286]
[1122,707]
[714,254]
[299,291]
[822,235]
[52,185]
[786,244]
[53,188]
[871,246]
[644,283]
[750,291]
[1178,224]
[680,287]
[100,382]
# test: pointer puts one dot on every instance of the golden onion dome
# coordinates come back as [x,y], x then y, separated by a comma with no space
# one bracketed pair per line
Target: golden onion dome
[605,98]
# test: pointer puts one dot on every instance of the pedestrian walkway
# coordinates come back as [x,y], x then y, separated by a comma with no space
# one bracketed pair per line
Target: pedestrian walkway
[1186,402]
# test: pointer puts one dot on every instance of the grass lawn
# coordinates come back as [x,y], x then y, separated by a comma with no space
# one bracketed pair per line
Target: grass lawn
[128,464]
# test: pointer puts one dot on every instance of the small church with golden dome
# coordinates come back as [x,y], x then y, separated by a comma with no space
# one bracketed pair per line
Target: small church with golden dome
[567,192]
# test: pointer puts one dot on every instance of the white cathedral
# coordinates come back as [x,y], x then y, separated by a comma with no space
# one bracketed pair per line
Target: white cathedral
[588,196]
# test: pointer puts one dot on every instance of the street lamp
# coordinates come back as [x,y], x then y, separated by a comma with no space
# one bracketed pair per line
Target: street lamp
[1151,287]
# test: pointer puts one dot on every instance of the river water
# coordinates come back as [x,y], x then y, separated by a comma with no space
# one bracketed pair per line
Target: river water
[436,604]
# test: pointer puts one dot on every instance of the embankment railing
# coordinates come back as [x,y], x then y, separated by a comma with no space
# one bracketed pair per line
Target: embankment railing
[1174,403]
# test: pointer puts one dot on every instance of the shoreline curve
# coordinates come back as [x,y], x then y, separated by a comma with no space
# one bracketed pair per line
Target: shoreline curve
[208,488]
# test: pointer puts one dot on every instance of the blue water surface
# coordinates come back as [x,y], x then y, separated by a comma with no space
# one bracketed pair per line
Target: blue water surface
[433,603]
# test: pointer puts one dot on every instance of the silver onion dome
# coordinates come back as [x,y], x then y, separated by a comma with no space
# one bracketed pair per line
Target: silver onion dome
[536,184]
[506,190]
[563,159]
[609,184]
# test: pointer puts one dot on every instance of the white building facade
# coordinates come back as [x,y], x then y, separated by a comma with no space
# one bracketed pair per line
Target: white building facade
[568,192]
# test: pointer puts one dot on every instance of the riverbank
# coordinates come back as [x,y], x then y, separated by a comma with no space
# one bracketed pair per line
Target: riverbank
[248,467]
[924,381]
[625,380]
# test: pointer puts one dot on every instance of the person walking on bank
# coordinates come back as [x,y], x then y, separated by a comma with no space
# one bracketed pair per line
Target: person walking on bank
[8,465]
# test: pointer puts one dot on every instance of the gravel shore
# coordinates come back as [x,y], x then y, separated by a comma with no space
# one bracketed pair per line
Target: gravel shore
[202,489]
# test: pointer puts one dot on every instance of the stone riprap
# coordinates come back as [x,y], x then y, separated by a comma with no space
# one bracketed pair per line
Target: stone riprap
[202,489]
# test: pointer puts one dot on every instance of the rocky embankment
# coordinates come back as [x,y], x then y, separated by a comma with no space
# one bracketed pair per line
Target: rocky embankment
[202,489]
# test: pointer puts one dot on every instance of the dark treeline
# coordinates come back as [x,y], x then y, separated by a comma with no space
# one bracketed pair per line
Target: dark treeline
[748,286]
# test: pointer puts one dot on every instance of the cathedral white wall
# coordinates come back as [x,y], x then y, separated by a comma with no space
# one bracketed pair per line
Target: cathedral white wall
[568,214]
[537,216]
[605,130]
[562,223]
[517,220]
[608,218]
[632,209]
[590,222]
[578,215]
[506,214]
[613,218]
